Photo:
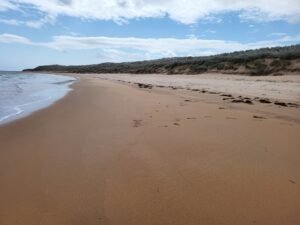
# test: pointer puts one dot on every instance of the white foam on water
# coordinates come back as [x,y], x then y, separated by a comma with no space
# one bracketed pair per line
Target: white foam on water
[24,93]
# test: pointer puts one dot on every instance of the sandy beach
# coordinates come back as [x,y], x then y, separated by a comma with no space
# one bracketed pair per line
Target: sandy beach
[112,153]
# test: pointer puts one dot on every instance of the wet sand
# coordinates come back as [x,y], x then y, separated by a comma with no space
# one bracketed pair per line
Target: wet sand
[115,154]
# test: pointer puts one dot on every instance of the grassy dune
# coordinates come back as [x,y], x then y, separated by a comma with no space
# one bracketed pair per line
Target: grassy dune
[265,61]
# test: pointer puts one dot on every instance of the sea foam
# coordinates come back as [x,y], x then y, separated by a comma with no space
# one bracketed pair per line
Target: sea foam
[24,93]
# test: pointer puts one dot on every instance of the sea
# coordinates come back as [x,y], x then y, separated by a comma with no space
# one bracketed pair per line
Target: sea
[22,93]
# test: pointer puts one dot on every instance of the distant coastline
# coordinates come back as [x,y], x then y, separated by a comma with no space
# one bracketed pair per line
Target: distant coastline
[264,61]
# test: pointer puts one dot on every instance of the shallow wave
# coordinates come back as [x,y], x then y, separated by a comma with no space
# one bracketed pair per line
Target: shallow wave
[24,93]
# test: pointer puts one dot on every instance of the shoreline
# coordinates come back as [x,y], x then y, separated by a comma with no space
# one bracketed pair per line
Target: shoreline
[113,153]
[54,93]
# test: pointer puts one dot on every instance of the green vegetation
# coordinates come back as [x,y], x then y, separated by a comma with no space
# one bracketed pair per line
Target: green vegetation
[263,61]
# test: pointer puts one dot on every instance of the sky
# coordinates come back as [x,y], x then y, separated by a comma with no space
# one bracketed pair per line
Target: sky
[72,32]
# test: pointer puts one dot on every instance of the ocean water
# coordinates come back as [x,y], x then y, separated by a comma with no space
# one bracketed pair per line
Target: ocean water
[24,93]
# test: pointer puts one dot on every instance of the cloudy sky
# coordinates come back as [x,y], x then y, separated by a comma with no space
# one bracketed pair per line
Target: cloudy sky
[35,32]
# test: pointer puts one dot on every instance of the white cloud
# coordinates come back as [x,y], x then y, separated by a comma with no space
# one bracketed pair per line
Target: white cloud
[187,12]
[11,38]
[117,55]
[278,34]
[162,46]
[11,22]
[5,5]
[30,23]
[131,48]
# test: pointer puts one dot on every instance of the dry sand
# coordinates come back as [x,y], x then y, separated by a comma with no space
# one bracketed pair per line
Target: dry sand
[275,87]
[114,154]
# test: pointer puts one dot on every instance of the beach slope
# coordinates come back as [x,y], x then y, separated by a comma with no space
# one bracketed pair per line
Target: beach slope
[114,154]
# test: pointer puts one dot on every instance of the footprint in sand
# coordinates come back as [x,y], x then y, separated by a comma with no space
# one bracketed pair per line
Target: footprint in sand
[292,181]
[137,123]
[176,124]
[258,117]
